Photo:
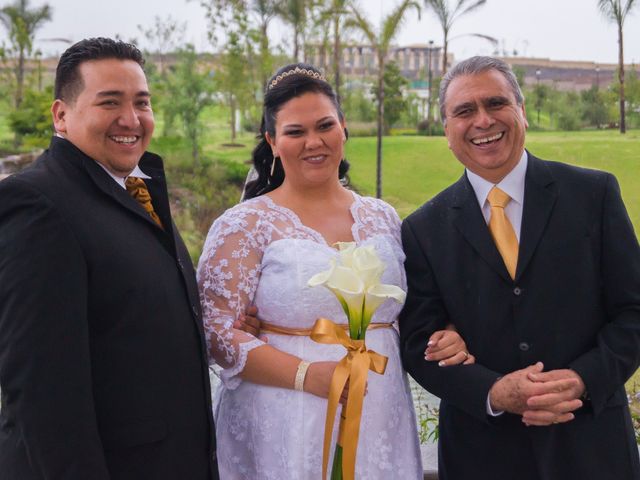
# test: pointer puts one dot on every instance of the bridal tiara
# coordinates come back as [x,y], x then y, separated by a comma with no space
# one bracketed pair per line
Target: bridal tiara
[299,71]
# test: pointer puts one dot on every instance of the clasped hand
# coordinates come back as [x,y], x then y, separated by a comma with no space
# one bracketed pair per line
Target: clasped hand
[542,398]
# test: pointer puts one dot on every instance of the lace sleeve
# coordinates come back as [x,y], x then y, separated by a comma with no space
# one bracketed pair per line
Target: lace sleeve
[228,275]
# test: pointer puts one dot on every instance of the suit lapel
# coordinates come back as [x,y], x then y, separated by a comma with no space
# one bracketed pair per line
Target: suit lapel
[109,187]
[470,222]
[539,198]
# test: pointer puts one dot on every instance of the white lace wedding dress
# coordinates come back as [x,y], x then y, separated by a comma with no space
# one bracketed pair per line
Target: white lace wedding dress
[260,252]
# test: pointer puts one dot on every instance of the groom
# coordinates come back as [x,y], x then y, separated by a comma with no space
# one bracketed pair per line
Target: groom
[103,365]
[537,266]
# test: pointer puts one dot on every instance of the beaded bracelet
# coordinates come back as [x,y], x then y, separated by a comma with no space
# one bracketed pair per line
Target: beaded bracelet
[301,373]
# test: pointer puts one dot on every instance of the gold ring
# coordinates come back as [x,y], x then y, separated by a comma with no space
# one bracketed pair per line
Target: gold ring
[466,355]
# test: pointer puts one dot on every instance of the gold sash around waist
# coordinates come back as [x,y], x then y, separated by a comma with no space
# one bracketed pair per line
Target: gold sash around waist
[305,332]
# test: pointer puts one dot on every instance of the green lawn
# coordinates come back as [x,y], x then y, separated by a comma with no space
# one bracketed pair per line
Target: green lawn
[416,168]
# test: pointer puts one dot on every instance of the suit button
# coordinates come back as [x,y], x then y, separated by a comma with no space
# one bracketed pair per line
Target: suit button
[180,264]
[195,310]
[517,291]
[524,346]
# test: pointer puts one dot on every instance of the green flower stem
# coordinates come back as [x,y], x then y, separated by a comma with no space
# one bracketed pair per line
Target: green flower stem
[336,469]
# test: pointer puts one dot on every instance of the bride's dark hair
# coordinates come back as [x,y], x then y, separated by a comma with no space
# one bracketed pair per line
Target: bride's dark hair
[289,82]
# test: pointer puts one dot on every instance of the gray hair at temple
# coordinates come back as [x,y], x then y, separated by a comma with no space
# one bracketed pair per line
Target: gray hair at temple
[474,66]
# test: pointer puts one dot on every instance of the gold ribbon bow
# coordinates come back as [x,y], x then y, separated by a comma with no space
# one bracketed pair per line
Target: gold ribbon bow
[354,367]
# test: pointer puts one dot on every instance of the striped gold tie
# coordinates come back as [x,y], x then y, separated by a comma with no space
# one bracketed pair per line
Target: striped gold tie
[138,190]
[502,230]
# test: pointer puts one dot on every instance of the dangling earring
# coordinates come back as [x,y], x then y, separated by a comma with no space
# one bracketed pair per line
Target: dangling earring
[273,166]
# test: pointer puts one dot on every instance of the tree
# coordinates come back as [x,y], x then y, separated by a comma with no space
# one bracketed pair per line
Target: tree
[192,89]
[239,71]
[394,101]
[617,11]
[594,107]
[540,96]
[164,36]
[337,14]
[264,11]
[21,23]
[238,94]
[448,16]
[632,97]
[381,41]
[34,116]
[250,20]
[295,14]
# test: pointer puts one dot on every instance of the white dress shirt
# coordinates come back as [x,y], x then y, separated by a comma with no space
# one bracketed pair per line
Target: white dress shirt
[119,180]
[513,185]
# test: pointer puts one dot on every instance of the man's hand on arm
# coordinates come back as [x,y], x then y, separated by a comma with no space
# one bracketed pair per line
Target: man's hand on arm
[250,323]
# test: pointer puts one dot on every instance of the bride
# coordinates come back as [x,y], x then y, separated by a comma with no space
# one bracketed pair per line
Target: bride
[270,407]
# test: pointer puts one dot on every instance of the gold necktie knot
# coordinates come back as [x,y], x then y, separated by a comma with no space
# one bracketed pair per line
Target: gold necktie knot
[138,190]
[498,198]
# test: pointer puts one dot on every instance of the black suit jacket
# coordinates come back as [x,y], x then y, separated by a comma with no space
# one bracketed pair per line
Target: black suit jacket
[102,358]
[575,303]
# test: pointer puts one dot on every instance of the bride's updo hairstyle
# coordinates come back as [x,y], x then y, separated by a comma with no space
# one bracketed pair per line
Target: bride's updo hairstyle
[289,82]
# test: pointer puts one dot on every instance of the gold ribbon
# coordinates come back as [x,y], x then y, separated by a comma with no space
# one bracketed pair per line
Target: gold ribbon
[354,368]
[306,332]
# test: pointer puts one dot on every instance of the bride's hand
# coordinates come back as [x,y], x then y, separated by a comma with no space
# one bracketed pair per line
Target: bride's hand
[318,380]
[448,348]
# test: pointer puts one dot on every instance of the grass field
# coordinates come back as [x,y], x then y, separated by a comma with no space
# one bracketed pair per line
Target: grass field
[416,168]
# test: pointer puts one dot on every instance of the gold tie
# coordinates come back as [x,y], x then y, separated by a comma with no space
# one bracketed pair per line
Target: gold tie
[138,190]
[502,230]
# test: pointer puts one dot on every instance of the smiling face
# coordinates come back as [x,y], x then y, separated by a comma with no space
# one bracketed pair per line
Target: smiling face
[111,119]
[309,139]
[485,126]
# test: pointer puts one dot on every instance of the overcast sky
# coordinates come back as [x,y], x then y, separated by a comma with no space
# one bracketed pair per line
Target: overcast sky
[556,29]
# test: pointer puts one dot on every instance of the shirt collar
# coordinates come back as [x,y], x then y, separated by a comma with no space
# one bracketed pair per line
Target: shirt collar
[137,173]
[120,180]
[512,184]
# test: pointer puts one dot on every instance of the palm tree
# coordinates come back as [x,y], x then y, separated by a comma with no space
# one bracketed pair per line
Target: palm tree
[21,23]
[380,42]
[295,14]
[336,13]
[617,11]
[447,17]
[264,11]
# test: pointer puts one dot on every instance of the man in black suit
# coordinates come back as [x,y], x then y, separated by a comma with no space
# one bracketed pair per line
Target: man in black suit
[103,365]
[537,266]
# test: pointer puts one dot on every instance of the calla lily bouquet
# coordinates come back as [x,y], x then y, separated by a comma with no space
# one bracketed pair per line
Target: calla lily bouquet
[354,277]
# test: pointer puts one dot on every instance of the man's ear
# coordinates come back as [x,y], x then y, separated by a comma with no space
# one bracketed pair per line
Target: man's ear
[58,112]
[524,114]
[446,133]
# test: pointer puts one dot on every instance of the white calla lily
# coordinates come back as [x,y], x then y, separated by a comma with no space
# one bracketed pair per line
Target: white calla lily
[347,286]
[323,277]
[368,265]
[376,295]
[355,281]
[347,250]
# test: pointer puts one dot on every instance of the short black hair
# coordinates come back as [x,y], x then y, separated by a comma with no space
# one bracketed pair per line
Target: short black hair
[68,84]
